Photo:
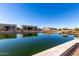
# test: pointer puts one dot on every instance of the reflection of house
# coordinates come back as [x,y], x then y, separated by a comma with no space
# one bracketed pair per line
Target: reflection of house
[30,35]
[7,36]
[27,27]
[7,27]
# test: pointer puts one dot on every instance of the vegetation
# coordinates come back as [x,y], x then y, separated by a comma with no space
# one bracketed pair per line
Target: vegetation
[76,29]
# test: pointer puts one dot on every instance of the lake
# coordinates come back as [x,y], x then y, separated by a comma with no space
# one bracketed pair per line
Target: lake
[29,44]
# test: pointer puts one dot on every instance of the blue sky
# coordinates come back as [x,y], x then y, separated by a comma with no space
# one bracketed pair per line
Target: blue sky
[40,14]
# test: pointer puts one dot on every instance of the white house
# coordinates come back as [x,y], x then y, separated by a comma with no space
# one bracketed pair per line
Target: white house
[7,27]
[29,27]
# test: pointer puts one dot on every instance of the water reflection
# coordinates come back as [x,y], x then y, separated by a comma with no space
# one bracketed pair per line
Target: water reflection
[30,35]
[7,36]
[10,36]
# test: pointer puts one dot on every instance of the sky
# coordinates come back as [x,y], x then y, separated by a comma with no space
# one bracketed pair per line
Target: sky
[57,15]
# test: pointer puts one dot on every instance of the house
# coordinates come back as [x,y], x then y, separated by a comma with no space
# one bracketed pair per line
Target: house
[29,27]
[7,27]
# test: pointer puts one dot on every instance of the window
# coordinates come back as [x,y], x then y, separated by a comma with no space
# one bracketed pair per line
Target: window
[30,28]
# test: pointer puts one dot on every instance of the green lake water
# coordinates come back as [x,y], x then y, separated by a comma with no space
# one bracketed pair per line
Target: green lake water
[29,44]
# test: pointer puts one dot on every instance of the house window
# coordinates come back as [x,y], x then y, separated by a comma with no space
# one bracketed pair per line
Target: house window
[13,27]
[7,28]
[30,28]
